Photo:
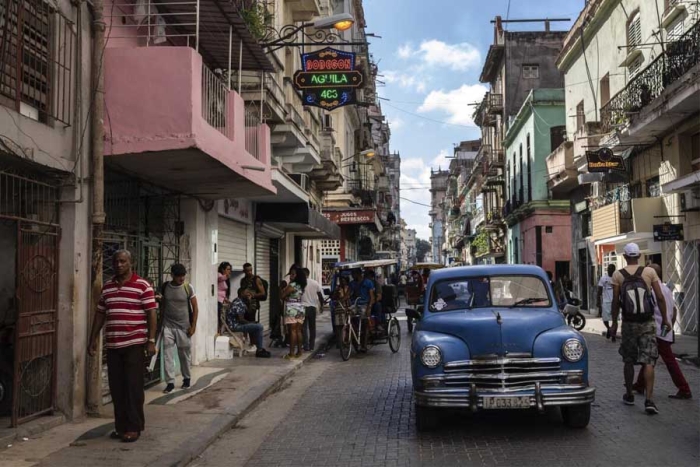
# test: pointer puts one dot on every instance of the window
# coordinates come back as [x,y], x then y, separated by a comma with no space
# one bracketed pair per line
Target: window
[653,187]
[557,135]
[548,229]
[531,71]
[635,66]
[35,69]
[580,116]
[675,29]
[529,170]
[634,31]
[493,291]
[605,89]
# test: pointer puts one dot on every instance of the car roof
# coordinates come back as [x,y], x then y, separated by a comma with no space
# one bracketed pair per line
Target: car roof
[488,270]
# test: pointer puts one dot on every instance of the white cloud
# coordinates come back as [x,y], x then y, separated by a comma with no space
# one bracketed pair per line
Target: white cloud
[411,79]
[455,103]
[438,53]
[415,183]
[395,123]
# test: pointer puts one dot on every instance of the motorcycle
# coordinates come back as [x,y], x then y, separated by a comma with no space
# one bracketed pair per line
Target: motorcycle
[572,312]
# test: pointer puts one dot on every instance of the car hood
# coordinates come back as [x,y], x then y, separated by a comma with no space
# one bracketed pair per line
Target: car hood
[487,335]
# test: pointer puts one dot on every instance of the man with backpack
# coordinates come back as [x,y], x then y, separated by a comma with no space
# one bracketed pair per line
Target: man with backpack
[256,289]
[632,296]
[178,305]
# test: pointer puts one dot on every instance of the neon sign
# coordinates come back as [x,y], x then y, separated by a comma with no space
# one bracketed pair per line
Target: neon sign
[329,79]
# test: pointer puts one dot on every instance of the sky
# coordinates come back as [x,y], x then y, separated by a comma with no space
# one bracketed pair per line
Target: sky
[430,56]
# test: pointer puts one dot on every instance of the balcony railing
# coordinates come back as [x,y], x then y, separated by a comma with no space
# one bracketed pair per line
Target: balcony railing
[215,103]
[294,108]
[680,56]
[252,125]
[495,103]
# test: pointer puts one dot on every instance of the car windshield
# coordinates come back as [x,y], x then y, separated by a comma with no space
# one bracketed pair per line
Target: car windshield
[489,291]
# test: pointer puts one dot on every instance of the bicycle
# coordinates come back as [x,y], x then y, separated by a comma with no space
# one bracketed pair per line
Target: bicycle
[349,337]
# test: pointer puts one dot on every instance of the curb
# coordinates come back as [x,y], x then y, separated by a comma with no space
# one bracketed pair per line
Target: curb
[189,451]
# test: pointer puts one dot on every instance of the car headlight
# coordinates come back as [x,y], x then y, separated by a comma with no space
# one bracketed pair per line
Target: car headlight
[573,350]
[431,356]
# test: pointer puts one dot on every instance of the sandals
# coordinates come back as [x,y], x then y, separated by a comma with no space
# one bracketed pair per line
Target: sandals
[131,436]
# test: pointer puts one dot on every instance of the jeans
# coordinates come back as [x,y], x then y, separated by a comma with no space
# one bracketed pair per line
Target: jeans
[309,328]
[378,312]
[175,339]
[255,330]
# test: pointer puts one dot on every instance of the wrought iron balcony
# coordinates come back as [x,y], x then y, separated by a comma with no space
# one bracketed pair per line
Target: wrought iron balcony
[680,56]
[495,103]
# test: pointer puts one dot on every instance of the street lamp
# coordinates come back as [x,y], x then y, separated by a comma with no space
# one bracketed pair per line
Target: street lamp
[286,36]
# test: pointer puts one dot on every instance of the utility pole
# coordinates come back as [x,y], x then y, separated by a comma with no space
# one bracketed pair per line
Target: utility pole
[94,371]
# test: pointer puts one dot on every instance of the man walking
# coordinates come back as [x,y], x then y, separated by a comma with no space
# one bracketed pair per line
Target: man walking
[663,342]
[310,300]
[632,286]
[127,309]
[179,313]
[605,297]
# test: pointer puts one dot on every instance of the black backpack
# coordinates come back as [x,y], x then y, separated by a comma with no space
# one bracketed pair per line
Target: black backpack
[636,301]
[266,286]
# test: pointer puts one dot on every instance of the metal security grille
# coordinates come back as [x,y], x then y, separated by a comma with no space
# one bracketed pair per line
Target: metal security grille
[30,208]
[145,220]
[681,269]
[37,46]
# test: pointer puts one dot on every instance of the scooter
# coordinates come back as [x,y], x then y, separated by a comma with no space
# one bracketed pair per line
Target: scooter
[574,317]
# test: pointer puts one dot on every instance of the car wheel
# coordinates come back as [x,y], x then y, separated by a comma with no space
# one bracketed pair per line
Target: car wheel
[345,338]
[394,333]
[426,419]
[5,392]
[576,416]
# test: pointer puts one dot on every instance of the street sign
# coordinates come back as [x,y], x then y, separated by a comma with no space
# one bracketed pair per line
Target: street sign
[329,79]
[668,232]
[603,160]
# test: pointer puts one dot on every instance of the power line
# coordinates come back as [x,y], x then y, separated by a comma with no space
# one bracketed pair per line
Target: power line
[415,202]
[428,118]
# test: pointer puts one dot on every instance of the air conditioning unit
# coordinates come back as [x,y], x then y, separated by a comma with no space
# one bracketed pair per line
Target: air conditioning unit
[690,200]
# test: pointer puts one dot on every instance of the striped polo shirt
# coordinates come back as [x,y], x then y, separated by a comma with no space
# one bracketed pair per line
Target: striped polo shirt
[125,310]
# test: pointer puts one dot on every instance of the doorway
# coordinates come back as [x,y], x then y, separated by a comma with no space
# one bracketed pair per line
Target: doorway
[583,276]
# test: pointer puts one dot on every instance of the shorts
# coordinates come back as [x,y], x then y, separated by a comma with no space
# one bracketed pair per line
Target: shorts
[639,343]
[294,314]
[606,311]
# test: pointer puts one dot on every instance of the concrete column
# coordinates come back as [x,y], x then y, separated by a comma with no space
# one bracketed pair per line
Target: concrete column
[73,306]
[200,227]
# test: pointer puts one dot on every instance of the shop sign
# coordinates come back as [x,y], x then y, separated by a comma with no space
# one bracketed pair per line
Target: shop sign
[580,207]
[238,209]
[603,160]
[668,232]
[328,79]
[350,217]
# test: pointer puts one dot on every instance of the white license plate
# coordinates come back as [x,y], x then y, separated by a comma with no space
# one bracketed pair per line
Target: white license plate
[507,402]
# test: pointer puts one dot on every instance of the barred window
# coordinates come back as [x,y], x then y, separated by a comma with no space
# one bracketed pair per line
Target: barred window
[36,51]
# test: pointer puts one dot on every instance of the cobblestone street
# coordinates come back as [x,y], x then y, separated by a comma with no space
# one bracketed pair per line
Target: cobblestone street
[360,413]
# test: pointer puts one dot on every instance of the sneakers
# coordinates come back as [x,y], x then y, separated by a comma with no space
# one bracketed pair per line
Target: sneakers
[650,407]
[681,395]
[628,399]
[185,383]
[251,349]
[169,388]
[262,353]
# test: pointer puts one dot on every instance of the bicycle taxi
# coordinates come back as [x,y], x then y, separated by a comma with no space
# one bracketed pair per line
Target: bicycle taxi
[350,316]
[416,286]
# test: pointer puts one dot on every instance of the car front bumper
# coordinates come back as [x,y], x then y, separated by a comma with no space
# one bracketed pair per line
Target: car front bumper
[541,396]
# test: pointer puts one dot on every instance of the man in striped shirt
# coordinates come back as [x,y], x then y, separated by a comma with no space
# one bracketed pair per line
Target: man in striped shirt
[127,309]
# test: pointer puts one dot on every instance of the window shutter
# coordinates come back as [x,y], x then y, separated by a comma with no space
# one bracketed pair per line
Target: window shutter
[634,32]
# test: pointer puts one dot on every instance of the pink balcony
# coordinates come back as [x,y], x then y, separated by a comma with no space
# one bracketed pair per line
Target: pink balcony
[170,119]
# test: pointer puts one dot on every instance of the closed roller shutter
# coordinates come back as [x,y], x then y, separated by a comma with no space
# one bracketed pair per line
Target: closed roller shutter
[233,243]
[262,269]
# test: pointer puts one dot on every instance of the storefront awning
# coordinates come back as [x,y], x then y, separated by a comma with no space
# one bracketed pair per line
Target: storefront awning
[687,182]
[297,218]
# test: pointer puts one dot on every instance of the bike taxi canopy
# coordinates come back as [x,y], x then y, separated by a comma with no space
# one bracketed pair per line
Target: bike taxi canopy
[431,266]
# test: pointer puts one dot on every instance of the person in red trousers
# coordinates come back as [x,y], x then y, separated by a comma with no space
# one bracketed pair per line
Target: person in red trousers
[664,344]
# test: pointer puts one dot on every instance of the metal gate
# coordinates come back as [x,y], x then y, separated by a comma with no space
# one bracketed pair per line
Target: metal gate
[30,206]
[35,333]
[145,220]
[681,269]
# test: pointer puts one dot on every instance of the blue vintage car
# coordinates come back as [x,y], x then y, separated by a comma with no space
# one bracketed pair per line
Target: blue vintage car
[491,337]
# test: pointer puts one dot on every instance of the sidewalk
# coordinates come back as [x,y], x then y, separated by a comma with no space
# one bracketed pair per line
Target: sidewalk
[685,348]
[179,426]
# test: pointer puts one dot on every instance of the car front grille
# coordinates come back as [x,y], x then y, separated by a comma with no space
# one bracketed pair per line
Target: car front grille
[503,373]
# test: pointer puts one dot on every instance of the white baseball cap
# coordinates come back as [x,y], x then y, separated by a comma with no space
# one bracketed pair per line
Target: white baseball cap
[632,250]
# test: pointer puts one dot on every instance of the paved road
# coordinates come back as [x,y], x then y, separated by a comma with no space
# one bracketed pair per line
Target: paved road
[360,413]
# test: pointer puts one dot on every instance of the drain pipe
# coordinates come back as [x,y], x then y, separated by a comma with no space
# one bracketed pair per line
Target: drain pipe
[94,372]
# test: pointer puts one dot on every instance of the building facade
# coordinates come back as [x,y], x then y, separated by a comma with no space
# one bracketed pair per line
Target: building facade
[640,104]
[438,190]
[539,228]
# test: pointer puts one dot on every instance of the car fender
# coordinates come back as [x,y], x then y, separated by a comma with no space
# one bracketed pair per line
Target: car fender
[451,347]
[549,344]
